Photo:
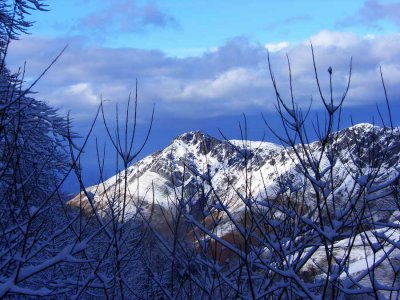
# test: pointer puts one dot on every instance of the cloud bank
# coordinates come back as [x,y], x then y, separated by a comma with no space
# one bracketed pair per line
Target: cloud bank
[231,79]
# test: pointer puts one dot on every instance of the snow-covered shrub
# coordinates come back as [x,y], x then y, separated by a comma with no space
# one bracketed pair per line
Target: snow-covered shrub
[326,227]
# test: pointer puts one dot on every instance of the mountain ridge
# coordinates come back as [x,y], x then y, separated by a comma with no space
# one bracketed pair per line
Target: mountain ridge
[194,158]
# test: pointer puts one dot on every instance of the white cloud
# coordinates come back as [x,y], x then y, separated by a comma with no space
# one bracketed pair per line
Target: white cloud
[223,85]
[328,38]
[277,46]
[84,92]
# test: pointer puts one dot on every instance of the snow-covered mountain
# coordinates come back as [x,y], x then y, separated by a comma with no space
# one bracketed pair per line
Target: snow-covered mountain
[322,210]
[194,163]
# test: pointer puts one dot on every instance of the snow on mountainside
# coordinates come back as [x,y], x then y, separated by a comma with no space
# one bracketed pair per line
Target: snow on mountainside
[327,208]
[194,158]
[189,160]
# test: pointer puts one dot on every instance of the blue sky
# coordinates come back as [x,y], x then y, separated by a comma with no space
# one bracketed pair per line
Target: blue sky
[204,63]
[185,28]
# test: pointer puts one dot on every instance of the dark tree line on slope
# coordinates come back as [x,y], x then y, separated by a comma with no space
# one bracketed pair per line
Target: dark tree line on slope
[281,247]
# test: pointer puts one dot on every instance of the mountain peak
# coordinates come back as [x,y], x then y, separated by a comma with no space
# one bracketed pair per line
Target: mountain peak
[194,137]
[368,128]
[364,126]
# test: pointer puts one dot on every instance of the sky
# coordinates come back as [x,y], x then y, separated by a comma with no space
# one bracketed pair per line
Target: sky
[203,64]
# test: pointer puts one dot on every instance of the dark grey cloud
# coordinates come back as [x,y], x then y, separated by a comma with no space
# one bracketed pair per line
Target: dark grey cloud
[372,12]
[231,79]
[126,16]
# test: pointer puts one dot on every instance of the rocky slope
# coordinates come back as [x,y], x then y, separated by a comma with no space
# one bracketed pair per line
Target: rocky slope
[194,163]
